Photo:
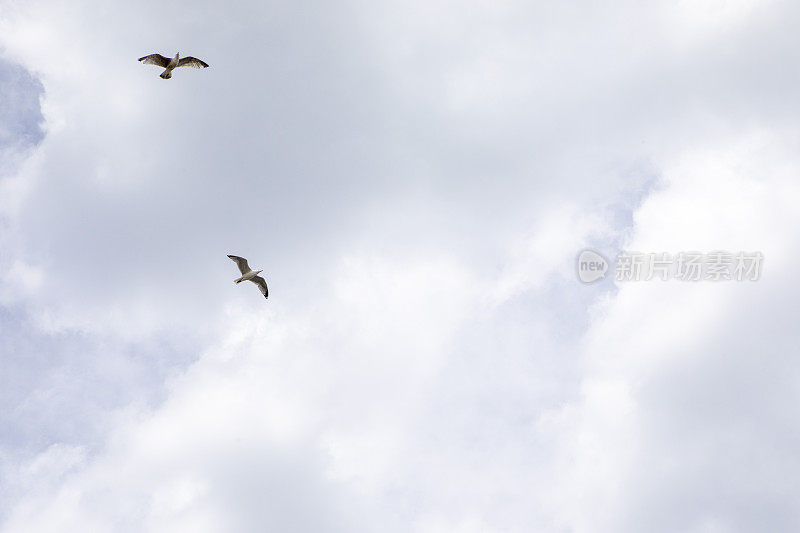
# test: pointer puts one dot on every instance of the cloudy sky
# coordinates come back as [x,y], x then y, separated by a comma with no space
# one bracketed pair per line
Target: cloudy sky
[416,179]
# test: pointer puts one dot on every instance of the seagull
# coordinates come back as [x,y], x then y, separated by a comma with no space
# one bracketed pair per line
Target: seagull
[172,64]
[250,275]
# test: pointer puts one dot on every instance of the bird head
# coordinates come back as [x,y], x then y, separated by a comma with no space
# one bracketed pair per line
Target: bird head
[259,272]
[178,55]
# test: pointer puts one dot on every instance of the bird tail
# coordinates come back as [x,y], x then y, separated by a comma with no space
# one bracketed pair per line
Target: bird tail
[167,74]
[237,281]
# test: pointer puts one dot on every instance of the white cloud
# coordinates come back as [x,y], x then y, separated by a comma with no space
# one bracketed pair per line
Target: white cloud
[416,181]
[684,384]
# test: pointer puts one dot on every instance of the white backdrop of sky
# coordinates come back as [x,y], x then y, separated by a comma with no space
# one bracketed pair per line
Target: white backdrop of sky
[416,180]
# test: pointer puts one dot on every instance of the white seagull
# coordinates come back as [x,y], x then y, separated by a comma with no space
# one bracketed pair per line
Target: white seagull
[172,64]
[250,275]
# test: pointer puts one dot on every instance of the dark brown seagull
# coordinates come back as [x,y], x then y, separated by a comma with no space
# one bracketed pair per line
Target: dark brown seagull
[172,64]
[249,274]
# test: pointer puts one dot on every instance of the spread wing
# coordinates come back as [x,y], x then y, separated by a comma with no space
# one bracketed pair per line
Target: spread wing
[192,62]
[241,262]
[155,59]
[262,285]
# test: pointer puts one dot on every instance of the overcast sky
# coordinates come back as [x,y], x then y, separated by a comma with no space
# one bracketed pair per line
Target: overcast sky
[416,179]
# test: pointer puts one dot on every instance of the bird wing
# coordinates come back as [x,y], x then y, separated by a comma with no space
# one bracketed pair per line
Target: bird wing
[262,285]
[241,262]
[155,59]
[192,62]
